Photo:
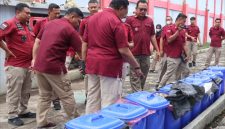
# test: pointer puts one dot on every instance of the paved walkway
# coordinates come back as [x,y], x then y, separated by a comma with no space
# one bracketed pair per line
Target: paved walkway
[57,116]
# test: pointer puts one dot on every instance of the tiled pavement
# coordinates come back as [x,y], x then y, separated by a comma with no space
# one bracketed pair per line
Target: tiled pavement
[57,116]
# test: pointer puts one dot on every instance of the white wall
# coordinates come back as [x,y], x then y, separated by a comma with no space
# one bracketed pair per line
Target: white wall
[201,25]
[210,24]
[191,3]
[177,1]
[211,6]
[159,16]
[218,6]
[202,4]
[131,9]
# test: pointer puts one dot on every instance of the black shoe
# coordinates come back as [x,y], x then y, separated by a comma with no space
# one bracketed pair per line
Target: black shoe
[49,125]
[28,115]
[194,64]
[56,104]
[15,121]
[190,65]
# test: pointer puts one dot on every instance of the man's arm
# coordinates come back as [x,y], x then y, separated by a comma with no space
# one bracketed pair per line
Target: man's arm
[185,48]
[173,37]
[84,51]
[128,56]
[6,49]
[155,45]
[191,37]
[35,51]
[161,46]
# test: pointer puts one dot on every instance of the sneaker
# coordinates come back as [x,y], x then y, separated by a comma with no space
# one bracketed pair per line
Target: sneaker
[56,104]
[190,65]
[194,64]
[49,125]
[28,115]
[16,121]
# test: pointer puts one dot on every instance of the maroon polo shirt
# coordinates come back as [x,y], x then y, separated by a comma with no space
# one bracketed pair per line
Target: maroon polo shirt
[193,31]
[128,31]
[56,38]
[20,40]
[175,48]
[105,34]
[83,25]
[163,35]
[40,25]
[143,29]
[216,34]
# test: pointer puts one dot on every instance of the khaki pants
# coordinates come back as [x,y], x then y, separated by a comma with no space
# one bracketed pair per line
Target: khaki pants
[211,51]
[163,67]
[174,66]
[193,48]
[137,83]
[60,84]
[154,61]
[18,84]
[102,92]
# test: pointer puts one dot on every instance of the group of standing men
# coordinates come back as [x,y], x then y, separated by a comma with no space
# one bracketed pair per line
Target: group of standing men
[105,43]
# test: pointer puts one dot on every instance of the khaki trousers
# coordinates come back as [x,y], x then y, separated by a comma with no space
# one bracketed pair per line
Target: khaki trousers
[193,48]
[61,85]
[163,67]
[18,82]
[137,83]
[174,66]
[211,51]
[154,61]
[102,92]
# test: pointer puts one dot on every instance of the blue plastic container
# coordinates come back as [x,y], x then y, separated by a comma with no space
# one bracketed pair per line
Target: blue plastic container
[170,121]
[126,112]
[95,121]
[222,69]
[186,119]
[153,102]
[196,110]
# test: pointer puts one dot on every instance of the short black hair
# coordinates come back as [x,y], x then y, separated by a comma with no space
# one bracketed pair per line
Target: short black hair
[159,26]
[181,15]
[218,19]
[117,4]
[75,10]
[93,1]
[53,6]
[21,6]
[141,1]
[192,18]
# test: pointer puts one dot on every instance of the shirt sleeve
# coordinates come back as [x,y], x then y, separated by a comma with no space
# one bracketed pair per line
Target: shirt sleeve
[5,29]
[82,27]
[75,41]
[37,28]
[39,36]
[120,36]
[152,29]
[223,33]
[210,32]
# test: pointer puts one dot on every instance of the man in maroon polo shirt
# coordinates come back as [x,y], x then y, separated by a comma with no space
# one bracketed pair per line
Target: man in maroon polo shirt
[163,49]
[175,37]
[19,38]
[50,64]
[107,49]
[217,35]
[93,7]
[193,35]
[144,34]
[53,13]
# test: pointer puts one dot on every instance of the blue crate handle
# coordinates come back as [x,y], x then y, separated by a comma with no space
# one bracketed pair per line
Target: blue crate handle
[95,118]
[122,106]
[153,94]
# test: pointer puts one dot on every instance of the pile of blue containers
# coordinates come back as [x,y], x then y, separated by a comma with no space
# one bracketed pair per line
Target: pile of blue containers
[139,104]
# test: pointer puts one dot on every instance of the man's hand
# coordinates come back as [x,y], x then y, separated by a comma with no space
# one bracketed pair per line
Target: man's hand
[139,73]
[187,58]
[193,39]
[8,54]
